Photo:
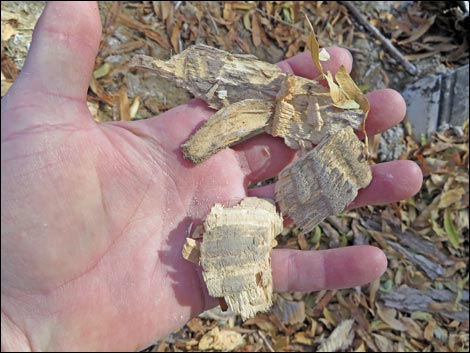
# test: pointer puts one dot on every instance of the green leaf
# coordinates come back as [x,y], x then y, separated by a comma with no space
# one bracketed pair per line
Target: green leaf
[102,71]
[450,229]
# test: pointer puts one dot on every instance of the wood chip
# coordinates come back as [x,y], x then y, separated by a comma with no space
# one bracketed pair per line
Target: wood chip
[235,254]
[324,181]
[295,108]
[227,127]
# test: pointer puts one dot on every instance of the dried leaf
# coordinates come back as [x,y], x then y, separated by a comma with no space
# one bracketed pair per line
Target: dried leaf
[383,343]
[166,8]
[450,197]
[314,47]
[175,36]
[9,69]
[354,93]
[102,71]
[121,102]
[288,311]
[340,339]
[7,31]
[419,31]
[452,233]
[351,90]
[324,55]
[388,316]
[221,340]
[246,21]
[134,107]
[255,30]
[302,338]
[347,104]
[335,91]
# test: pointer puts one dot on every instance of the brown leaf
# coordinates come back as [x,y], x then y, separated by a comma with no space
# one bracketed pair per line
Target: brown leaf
[175,36]
[221,340]
[7,31]
[303,244]
[314,47]
[413,57]
[351,90]
[387,315]
[420,31]
[340,339]
[122,101]
[149,32]
[166,7]
[8,67]
[255,30]
[289,312]
[302,338]
[263,323]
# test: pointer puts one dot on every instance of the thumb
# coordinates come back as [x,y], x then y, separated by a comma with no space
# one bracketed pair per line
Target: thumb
[63,51]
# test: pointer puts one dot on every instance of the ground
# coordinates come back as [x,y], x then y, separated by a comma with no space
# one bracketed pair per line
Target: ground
[421,302]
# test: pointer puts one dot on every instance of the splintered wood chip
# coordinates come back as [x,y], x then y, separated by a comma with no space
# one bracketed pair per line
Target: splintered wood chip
[234,254]
[251,97]
[228,126]
[324,181]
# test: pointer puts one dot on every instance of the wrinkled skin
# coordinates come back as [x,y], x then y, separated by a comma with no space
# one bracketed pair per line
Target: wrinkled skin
[94,216]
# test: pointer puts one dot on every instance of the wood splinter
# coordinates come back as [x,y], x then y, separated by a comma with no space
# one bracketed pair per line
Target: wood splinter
[235,254]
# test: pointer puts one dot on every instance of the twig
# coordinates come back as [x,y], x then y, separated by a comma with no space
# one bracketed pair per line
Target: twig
[265,340]
[386,43]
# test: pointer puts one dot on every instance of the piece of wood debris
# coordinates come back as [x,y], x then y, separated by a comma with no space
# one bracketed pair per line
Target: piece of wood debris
[295,108]
[235,254]
[432,269]
[228,126]
[324,181]
[411,300]
[192,251]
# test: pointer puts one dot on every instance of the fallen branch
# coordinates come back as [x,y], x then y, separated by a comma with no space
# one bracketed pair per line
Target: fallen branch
[410,68]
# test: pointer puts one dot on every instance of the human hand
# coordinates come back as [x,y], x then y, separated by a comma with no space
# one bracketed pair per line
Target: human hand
[94,216]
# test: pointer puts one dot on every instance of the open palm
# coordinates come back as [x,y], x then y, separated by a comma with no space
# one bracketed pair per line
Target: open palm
[94,216]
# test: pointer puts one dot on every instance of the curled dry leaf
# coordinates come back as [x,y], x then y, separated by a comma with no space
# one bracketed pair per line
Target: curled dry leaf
[220,340]
[234,254]
[324,181]
[340,339]
[295,108]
